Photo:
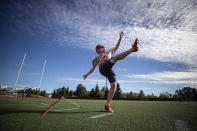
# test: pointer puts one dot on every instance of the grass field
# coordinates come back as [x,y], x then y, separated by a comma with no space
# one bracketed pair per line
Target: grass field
[27,114]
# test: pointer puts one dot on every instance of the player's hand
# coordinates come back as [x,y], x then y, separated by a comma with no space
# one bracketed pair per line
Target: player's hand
[121,34]
[85,76]
[134,46]
[135,49]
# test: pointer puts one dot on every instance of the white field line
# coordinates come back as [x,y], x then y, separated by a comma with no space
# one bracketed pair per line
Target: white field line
[66,109]
[73,103]
[102,115]
[44,104]
[25,105]
[181,125]
[70,108]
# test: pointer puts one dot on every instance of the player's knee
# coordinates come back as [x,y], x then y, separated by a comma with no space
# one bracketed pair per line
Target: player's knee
[113,85]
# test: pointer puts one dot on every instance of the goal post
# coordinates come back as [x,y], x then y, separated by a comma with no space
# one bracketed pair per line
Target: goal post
[17,85]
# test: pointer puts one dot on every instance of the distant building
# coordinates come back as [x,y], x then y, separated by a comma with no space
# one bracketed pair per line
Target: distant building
[35,88]
[24,88]
[18,89]
[3,87]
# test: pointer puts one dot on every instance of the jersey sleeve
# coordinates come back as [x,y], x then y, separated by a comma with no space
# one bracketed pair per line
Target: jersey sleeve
[94,61]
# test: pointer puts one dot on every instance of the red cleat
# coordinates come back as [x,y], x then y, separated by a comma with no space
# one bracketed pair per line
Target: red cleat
[108,109]
[134,46]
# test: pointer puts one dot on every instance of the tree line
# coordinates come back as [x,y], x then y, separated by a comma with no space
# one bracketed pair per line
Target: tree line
[26,92]
[187,93]
[30,92]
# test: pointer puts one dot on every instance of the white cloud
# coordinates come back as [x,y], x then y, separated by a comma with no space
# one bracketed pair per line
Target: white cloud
[167,78]
[167,29]
[178,78]
[94,80]
[89,81]
[167,45]
[80,79]
[166,75]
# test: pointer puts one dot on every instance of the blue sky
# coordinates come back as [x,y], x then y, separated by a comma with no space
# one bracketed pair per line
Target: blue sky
[65,33]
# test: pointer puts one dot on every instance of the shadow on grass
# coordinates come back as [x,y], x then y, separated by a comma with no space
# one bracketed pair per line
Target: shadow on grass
[4,111]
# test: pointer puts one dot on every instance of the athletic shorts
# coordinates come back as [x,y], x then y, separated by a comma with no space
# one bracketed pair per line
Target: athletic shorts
[106,70]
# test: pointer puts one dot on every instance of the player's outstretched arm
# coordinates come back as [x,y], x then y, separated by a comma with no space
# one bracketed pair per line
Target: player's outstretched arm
[91,70]
[118,44]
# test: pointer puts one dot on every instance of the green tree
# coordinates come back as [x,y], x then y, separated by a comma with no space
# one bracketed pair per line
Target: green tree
[81,91]
[187,93]
[175,96]
[141,94]
[106,93]
[165,95]
[71,93]
[123,95]
[102,92]
[75,93]
[67,91]
[28,92]
[135,95]
[97,91]
[43,93]
[194,90]
[63,91]
[59,92]
[117,92]
[103,89]
[130,94]
[151,96]
[92,93]
[54,94]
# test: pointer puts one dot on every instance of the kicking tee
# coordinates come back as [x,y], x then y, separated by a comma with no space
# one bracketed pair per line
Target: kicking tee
[102,57]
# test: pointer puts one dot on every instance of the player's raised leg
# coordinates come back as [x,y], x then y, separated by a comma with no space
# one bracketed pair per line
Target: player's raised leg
[126,53]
